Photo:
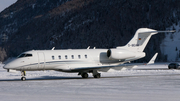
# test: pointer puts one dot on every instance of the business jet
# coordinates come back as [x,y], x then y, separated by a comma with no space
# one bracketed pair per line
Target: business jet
[83,61]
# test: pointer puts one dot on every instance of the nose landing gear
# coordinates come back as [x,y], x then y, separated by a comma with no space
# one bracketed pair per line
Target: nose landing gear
[23,74]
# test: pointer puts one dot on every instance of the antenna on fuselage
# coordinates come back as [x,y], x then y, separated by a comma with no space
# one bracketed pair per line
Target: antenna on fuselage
[88,47]
[94,48]
[53,48]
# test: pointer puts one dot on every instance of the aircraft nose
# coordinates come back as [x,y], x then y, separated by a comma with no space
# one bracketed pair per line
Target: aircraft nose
[7,66]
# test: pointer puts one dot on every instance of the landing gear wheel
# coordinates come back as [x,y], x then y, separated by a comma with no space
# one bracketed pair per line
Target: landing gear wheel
[84,75]
[23,78]
[23,74]
[97,75]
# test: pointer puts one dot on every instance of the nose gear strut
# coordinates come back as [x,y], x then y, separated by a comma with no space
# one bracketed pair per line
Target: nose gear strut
[23,74]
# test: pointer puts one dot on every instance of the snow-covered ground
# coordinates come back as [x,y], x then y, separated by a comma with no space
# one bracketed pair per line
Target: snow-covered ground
[125,85]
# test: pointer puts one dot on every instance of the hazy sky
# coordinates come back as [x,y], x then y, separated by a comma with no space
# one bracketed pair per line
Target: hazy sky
[6,3]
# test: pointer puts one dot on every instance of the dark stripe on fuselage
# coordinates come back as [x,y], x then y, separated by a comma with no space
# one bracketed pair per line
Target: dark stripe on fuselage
[30,64]
[49,62]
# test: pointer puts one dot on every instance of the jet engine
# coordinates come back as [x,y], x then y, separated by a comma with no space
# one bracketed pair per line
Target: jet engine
[120,54]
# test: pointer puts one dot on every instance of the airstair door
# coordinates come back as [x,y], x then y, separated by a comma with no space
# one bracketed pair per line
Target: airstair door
[41,61]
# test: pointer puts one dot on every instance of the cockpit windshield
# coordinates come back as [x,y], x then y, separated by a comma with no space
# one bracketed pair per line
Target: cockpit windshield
[24,55]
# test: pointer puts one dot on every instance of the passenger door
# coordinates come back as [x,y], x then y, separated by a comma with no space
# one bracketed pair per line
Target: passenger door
[41,60]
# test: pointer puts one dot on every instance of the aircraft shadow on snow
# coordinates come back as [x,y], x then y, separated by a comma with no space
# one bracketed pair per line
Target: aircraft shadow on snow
[59,78]
[71,78]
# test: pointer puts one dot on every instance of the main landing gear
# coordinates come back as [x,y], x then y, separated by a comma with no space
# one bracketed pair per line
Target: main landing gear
[23,74]
[94,72]
[84,75]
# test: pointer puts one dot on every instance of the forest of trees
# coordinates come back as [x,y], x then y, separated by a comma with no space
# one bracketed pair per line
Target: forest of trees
[64,24]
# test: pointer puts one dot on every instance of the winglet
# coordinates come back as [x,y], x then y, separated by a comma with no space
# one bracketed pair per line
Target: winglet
[88,47]
[53,48]
[153,59]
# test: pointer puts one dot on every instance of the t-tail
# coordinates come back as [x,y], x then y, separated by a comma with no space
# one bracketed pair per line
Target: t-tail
[141,38]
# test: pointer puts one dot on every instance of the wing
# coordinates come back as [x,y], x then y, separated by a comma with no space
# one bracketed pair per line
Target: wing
[105,68]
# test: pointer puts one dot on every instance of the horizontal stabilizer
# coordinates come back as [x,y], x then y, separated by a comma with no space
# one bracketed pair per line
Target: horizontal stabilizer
[159,31]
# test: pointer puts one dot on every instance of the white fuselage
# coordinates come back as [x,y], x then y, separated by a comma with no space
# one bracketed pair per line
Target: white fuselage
[71,60]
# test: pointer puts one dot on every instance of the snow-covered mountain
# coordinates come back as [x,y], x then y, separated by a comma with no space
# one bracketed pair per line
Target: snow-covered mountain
[170,46]
[43,24]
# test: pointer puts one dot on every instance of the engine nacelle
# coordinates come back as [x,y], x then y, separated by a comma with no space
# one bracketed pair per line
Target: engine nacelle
[121,54]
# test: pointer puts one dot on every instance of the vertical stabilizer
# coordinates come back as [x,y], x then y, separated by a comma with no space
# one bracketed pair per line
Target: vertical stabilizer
[140,39]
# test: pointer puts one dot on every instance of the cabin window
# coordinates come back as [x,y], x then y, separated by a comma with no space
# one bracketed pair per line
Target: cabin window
[24,55]
[72,56]
[28,55]
[79,56]
[66,57]
[53,57]
[85,56]
[59,56]
[21,55]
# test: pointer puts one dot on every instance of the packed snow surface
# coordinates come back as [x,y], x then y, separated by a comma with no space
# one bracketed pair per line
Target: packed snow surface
[124,85]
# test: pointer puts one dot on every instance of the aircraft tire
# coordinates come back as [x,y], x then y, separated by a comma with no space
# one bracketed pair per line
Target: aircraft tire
[84,75]
[23,78]
[97,75]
